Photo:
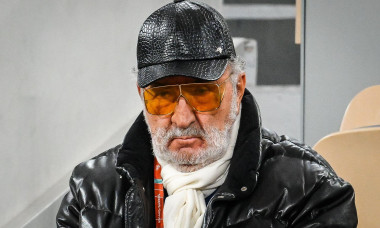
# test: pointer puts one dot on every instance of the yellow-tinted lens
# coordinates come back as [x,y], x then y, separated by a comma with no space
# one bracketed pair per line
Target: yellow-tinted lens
[202,96]
[161,100]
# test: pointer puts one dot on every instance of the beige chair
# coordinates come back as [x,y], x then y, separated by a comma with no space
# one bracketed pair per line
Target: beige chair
[363,110]
[355,156]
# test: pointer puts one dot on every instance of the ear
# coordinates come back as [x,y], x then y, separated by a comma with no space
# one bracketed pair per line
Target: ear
[138,90]
[241,86]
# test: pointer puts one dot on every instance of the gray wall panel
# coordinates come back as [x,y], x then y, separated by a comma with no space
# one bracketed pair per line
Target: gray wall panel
[278,55]
[342,55]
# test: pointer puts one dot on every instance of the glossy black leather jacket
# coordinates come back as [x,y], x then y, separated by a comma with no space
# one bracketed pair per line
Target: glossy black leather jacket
[272,182]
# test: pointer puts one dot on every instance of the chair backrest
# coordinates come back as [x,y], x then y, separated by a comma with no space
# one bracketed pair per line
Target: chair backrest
[363,110]
[355,156]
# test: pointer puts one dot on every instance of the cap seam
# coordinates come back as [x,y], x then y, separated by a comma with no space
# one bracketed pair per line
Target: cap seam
[185,60]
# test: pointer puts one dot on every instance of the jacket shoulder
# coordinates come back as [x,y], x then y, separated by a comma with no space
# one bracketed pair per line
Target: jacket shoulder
[298,175]
[103,163]
[274,146]
[295,166]
[97,179]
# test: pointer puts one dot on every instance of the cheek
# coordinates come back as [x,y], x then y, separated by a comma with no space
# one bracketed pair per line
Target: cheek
[156,122]
[216,119]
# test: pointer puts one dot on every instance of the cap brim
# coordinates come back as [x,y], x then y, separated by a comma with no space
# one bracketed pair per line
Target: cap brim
[210,69]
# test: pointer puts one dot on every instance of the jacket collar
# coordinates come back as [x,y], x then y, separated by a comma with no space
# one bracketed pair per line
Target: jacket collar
[136,154]
[243,172]
[135,157]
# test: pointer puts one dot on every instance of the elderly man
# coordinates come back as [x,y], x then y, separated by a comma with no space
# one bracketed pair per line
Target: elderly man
[197,156]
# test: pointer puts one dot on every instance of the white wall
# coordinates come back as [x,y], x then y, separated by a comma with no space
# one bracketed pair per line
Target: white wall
[66,88]
[342,57]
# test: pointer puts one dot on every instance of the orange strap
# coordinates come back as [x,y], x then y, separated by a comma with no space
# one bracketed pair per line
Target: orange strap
[158,195]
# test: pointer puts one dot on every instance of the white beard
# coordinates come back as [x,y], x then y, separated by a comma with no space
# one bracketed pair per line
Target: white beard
[216,143]
[216,140]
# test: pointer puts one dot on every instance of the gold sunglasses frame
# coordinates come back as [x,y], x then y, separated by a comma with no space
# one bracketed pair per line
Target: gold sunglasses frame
[181,95]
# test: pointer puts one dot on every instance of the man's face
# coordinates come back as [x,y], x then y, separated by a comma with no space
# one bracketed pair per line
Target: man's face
[188,139]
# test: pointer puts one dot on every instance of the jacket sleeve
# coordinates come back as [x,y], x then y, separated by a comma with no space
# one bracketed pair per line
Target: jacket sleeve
[69,211]
[330,204]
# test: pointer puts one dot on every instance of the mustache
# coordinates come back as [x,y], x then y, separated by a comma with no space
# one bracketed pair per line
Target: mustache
[180,132]
[164,136]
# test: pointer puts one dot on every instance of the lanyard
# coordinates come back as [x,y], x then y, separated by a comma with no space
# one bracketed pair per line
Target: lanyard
[158,195]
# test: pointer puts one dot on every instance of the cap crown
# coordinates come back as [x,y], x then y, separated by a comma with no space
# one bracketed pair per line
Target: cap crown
[183,31]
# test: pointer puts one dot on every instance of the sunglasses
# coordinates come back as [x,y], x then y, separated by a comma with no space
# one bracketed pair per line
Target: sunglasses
[202,97]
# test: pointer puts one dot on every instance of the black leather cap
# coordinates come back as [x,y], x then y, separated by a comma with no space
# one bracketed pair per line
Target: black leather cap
[183,38]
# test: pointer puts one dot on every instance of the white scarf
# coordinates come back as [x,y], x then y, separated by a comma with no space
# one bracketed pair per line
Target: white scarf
[185,206]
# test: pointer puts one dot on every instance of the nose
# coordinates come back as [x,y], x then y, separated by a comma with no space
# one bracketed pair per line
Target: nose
[183,115]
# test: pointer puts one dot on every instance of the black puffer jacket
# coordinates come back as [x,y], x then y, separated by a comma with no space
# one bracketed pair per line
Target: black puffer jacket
[272,182]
